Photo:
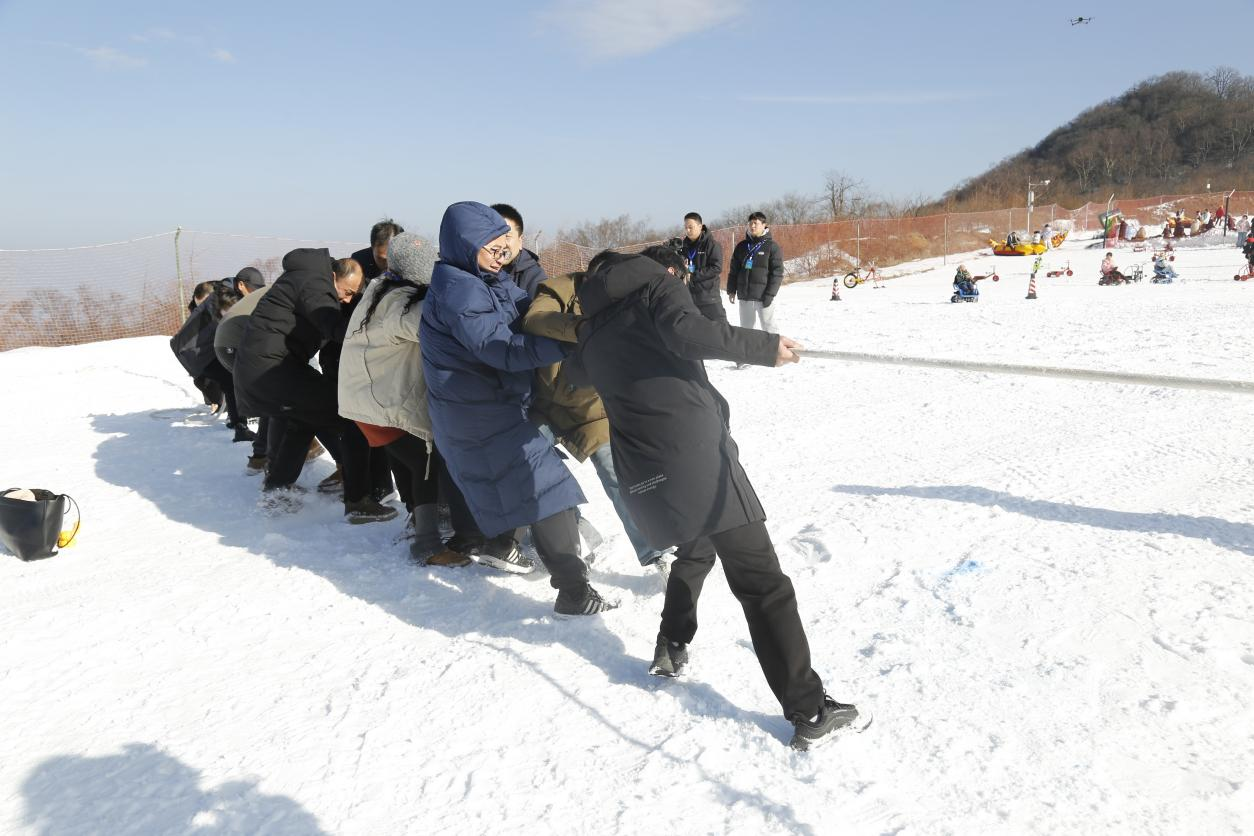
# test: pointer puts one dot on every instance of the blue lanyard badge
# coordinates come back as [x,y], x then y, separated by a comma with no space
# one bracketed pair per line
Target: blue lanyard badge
[752,251]
[692,260]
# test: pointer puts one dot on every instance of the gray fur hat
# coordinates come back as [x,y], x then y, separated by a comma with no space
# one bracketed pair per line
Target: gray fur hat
[411,257]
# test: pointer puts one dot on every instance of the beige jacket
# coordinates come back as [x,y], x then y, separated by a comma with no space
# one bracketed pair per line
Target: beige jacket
[381,380]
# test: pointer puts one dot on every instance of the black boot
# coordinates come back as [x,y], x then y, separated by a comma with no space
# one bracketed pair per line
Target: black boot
[669,658]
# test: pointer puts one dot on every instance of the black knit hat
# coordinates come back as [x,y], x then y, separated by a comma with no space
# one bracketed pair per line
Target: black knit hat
[252,278]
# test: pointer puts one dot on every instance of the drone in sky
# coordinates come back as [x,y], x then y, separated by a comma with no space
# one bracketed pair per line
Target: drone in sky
[1076,20]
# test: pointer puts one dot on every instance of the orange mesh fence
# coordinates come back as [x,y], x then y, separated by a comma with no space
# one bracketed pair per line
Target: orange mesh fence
[142,287]
[824,249]
[132,288]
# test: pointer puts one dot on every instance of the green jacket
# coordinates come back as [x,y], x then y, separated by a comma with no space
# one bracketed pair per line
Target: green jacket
[575,413]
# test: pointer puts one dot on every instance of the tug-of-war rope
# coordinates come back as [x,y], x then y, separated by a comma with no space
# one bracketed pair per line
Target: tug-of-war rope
[1208,384]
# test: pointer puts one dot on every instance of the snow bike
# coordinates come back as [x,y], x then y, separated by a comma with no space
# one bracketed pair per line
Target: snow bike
[966,291]
[1065,271]
[857,277]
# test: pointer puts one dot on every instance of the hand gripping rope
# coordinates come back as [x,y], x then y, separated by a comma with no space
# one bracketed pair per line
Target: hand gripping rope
[1243,387]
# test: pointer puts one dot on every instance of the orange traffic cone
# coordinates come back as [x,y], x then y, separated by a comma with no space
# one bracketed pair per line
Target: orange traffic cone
[1032,287]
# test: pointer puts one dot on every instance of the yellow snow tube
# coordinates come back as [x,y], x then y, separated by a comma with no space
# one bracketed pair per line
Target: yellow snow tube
[1022,248]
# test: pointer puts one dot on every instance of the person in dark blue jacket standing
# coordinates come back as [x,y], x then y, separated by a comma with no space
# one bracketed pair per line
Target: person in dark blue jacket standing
[478,367]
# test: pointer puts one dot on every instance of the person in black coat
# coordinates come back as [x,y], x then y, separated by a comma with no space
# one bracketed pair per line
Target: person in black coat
[756,273]
[300,312]
[374,259]
[641,345]
[524,268]
[704,258]
[193,347]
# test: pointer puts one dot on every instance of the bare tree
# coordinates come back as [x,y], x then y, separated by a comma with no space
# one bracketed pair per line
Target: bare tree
[794,208]
[610,232]
[1084,162]
[1223,79]
[838,192]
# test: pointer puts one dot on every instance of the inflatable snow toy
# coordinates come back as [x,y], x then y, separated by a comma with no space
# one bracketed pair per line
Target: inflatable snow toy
[1021,248]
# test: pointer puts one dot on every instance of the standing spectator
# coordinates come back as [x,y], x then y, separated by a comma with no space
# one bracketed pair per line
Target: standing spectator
[757,271]
[704,257]
[642,345]
[478,370]
[1047,235]
[524,267]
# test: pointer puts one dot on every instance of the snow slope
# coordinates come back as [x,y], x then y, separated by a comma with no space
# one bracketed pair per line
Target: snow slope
[1044,589]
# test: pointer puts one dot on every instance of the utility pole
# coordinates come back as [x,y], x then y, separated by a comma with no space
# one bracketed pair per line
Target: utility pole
[1031,198]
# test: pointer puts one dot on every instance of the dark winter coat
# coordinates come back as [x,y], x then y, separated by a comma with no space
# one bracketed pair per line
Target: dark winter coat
[300,312]
[641,344]
[572,410]
[370,268]
[526,272]
[230,331]
[706,257]
[478,369]
[193,344]
[761,282]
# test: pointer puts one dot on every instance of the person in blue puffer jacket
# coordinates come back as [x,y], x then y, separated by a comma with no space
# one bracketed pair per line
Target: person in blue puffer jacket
[478,366]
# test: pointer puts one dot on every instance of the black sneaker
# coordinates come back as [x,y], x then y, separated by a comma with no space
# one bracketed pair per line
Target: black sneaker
[833,717]
[581,600]
[368,511]
[501,552]
[242,433]
[669,658]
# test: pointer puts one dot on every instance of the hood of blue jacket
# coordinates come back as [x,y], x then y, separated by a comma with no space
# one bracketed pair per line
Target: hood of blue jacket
[465,229]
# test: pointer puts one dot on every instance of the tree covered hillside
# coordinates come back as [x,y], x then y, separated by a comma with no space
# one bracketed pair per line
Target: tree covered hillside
[1170,134]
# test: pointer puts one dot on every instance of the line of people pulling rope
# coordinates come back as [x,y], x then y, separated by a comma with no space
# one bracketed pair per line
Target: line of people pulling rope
[465,368]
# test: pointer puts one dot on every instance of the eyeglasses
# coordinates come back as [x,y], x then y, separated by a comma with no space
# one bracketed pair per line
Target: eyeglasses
[501,254]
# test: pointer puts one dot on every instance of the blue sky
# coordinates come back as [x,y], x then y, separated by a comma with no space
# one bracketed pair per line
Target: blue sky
[314,119]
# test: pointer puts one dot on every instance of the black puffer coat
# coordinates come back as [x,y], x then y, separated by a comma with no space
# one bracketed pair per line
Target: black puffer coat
[760,282]
[193,344]
[641,345]
[300,312]
[706,255]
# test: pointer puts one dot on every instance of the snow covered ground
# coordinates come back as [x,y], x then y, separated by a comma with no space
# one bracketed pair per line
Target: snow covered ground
[1043,588]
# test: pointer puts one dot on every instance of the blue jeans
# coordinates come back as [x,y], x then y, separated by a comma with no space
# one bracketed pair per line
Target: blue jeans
[604,465]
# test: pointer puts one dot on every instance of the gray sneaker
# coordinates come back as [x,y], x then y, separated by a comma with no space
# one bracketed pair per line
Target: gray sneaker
[662,565]
[834,717]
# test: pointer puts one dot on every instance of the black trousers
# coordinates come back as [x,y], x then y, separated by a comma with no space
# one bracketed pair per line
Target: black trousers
[770,604]
[409,455]
[217,372]
[557,542]
[262,440]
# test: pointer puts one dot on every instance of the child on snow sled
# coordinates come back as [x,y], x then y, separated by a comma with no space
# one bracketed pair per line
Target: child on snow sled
[1163,272]
[964,285]
[1110,273]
